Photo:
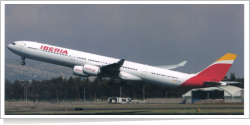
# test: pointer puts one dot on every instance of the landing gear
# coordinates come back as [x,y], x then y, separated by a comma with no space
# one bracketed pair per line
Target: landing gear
[23,62]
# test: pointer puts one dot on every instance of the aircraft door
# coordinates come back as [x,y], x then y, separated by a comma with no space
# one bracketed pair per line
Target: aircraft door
[73,57]
[144,71]
[21,45]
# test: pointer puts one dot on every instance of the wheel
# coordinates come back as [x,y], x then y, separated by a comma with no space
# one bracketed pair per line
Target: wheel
[22,63]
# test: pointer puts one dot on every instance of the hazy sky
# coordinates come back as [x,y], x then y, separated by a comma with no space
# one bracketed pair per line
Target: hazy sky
[148,34]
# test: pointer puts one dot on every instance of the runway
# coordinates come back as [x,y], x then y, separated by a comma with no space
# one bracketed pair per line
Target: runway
[123,109]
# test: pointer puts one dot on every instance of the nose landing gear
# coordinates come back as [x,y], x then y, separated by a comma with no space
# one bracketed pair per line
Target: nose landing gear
[23,62]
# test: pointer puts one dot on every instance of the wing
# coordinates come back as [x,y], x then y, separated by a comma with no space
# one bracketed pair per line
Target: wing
[114,66]
[112,70]
[173,66]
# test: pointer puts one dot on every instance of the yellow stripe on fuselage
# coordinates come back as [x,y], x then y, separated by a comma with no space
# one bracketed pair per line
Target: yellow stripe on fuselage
[228,56]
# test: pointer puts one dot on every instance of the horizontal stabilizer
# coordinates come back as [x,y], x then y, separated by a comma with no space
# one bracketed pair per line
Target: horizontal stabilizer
[173,66]
[229,82]
[221,83]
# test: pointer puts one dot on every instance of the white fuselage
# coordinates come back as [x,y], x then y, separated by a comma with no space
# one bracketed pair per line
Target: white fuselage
[70,58]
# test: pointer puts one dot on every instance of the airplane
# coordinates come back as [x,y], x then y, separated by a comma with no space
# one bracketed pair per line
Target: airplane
[86,64]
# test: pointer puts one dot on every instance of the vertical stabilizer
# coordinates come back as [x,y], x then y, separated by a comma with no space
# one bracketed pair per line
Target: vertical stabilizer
[213,73]
[219,68]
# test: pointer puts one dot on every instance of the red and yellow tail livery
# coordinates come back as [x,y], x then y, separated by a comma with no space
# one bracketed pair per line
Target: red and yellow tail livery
[213,73]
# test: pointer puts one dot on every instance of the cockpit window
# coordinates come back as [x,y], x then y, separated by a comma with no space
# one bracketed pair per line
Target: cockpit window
[13,43]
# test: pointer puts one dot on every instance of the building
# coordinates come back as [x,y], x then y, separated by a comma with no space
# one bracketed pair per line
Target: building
[225,93]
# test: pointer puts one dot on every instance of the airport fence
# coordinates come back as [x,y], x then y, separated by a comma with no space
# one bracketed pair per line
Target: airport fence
[77,101]
[158,100]
[55,101]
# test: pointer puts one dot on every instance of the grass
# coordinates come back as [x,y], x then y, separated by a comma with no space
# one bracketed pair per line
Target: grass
[135,109]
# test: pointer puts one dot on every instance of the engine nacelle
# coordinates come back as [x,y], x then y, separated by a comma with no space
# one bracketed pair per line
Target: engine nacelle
[91,70]
[78,70]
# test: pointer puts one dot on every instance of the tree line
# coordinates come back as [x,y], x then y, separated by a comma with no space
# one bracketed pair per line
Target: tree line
[75,88]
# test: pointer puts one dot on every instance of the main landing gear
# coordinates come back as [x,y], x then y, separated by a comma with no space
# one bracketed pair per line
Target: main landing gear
[23,62]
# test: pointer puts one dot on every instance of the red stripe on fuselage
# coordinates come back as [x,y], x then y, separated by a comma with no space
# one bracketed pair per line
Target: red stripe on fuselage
[214,73]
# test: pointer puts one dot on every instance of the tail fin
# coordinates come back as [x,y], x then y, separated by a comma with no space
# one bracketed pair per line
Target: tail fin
[219,68]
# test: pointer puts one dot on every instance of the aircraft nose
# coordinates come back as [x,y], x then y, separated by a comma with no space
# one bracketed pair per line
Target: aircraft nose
[8,46]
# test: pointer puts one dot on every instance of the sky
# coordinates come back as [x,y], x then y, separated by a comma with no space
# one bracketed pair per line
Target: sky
[156,35]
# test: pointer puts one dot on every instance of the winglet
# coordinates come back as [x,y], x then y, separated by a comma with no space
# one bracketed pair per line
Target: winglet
[182,63]
[120,62]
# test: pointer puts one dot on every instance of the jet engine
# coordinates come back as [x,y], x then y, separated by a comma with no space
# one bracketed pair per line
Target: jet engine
[86,70]
[91,70]
[78,70]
